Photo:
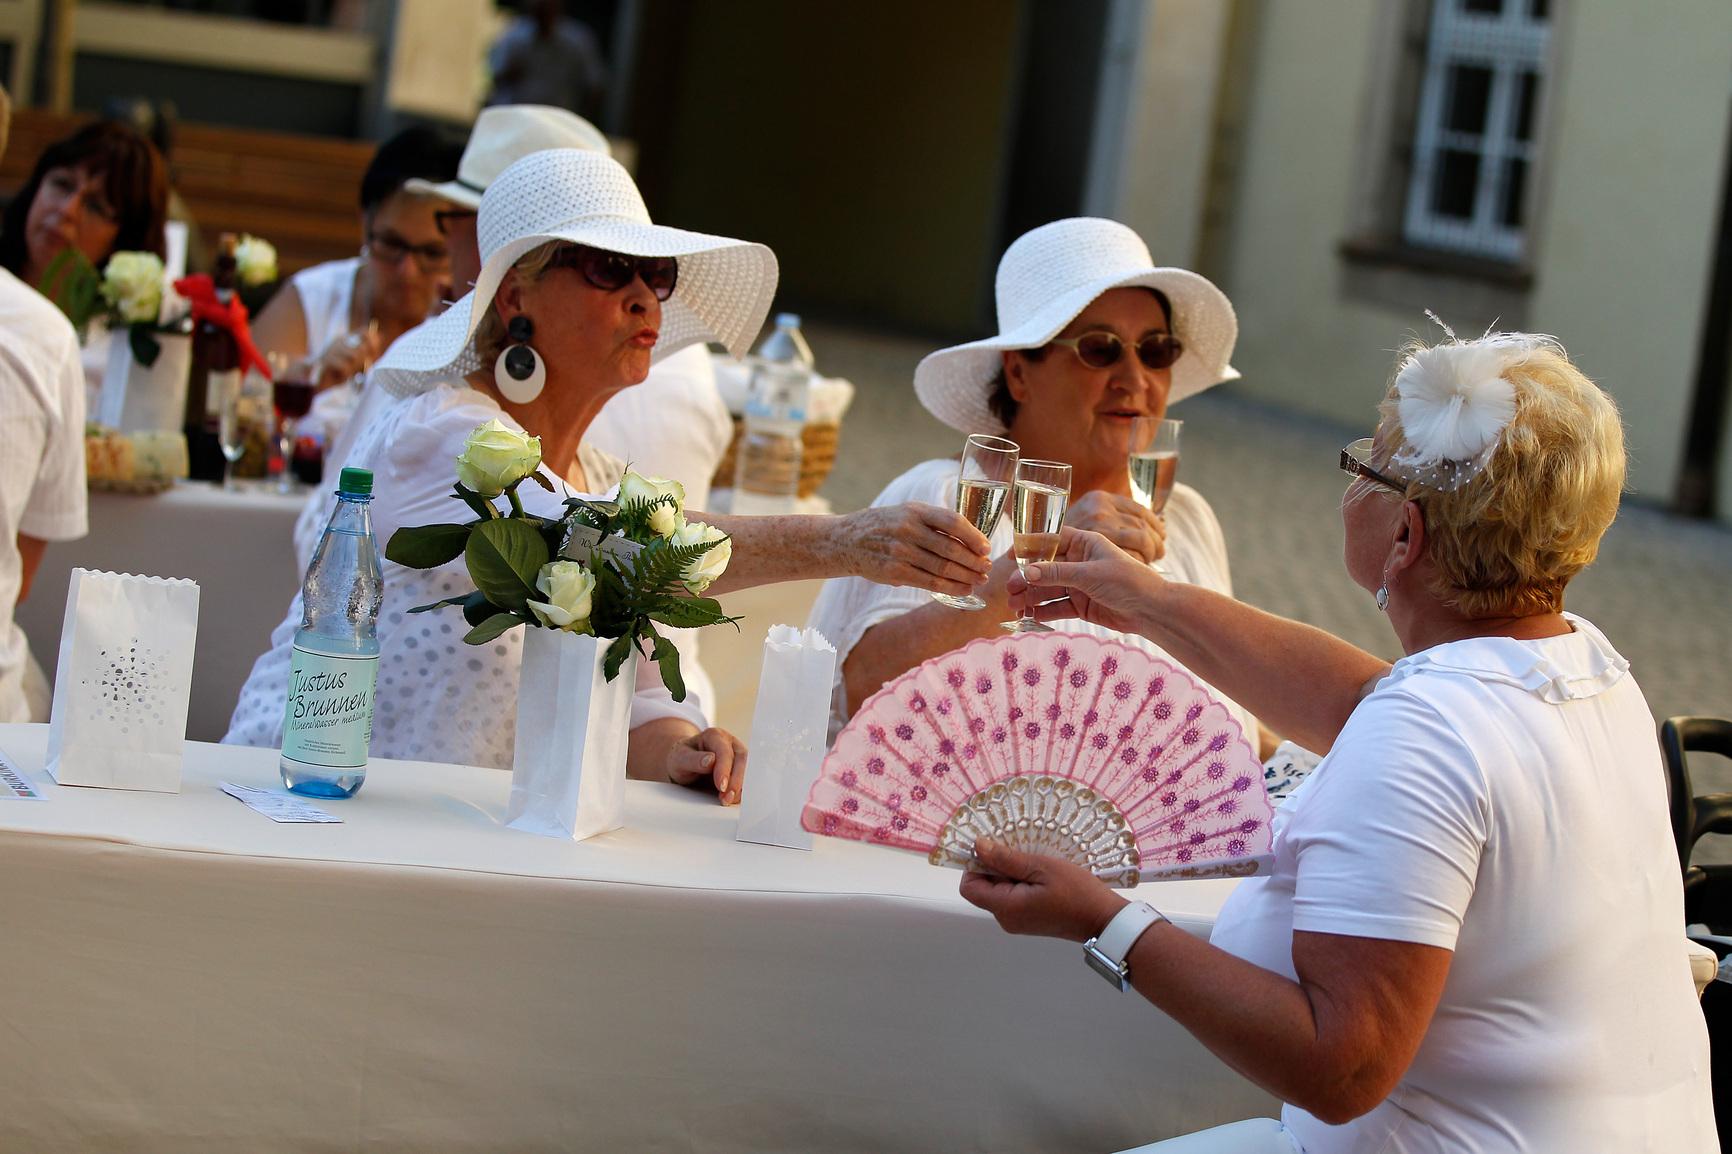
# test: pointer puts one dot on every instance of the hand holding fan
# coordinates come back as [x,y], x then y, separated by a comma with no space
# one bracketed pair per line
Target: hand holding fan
[1058,743]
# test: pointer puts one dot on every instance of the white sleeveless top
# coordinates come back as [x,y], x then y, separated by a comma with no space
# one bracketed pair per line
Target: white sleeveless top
[326,292]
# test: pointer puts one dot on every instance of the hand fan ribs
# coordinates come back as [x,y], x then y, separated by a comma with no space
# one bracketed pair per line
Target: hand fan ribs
[1064,744]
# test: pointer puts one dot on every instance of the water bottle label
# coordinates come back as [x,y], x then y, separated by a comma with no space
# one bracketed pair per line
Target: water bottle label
[328,718]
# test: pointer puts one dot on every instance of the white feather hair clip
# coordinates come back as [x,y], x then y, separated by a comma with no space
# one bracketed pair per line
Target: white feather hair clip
[1454,403]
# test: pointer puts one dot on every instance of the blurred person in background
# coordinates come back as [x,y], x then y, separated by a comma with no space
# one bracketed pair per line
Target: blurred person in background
[333,320]
[546,57]
[42,496]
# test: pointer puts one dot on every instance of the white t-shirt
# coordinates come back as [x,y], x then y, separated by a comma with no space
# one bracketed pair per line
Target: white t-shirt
[848,606]
[326,292]
[438,699]
[1505,800]
[41,467]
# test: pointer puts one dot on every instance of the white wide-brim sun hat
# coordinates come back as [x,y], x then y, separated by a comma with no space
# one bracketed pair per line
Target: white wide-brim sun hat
[1046,278]
[504,134]
[723,293]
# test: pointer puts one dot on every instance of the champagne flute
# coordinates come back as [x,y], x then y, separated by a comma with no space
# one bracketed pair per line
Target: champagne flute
[1037,512]
[231,435]
[1154,465]
[982,486]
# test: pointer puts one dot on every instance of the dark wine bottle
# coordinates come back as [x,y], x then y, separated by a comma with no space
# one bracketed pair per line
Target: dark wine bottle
[216,372]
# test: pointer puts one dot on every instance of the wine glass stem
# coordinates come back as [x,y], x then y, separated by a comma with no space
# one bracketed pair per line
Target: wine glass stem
[286,445]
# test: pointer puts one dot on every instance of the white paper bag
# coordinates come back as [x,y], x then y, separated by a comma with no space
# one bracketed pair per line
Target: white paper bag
[136,399]
[568,762]
[124,681]
[790,726]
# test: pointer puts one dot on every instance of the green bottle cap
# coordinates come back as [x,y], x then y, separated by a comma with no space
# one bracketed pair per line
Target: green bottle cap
[356,482]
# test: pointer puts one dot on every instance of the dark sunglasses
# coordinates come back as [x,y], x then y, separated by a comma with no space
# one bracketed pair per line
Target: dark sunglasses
[610,271]
[1355,462]
[1102,350]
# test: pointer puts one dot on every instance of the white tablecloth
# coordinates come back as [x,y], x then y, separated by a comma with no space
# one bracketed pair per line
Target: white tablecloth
[236,545]
[181,974]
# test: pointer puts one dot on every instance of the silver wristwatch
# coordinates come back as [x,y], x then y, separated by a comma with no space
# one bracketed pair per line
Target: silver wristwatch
[1106,953]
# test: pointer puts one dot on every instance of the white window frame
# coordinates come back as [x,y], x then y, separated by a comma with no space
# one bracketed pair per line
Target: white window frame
[1509,45]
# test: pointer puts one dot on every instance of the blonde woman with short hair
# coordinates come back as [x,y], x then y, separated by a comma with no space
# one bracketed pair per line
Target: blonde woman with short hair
[1471,938]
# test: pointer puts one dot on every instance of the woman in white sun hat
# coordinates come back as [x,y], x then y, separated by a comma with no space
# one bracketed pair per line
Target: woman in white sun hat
[583,291]
[1155,336]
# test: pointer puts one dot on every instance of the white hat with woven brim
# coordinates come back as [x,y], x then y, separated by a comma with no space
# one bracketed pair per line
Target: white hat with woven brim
[723,293]
[1046,278]
[503,135]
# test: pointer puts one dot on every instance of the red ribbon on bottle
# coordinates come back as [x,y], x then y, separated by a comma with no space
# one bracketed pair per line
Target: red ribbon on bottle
[200,290]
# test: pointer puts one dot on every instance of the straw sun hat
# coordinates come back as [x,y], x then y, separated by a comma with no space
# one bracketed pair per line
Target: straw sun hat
[582,197]
[506,133]
[1048,276]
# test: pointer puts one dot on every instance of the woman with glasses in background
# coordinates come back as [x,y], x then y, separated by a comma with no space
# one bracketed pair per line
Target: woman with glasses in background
[1092,338]
[333,320]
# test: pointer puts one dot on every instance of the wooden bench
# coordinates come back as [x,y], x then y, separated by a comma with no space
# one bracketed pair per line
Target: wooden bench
[301,193]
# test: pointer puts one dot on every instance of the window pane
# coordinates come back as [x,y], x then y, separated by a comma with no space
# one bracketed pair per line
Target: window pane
[1526,102]
[1469,98]
[1452,191]
[1483,7]
[1515,178]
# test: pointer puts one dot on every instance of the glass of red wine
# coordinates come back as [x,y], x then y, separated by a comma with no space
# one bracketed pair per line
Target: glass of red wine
[294,400]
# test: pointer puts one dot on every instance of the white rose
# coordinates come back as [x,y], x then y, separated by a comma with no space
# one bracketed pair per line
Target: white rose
[132,286]
[494,458]
[255,260]
[569,587]
[700,573]
[665,520]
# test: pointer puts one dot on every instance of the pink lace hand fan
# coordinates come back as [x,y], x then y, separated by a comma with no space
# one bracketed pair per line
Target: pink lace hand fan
[1054,743]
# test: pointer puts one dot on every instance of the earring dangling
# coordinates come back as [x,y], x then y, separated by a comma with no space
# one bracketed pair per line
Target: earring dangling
[1382,595]
[520,372]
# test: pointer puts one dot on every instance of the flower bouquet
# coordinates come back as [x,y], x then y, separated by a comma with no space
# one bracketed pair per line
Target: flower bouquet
[591,586]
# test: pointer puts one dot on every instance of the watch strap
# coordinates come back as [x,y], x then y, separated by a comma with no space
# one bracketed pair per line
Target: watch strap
[1106,952]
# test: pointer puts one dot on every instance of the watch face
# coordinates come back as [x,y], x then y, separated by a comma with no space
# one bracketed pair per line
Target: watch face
[1114,972]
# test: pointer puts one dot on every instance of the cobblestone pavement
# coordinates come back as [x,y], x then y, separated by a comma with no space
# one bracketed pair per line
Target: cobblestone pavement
[1661,589]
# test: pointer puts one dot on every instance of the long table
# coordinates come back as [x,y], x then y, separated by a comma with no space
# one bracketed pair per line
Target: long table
[182,974]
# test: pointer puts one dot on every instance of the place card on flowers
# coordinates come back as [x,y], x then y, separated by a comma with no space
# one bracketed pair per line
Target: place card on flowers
[123,682]
[591,586]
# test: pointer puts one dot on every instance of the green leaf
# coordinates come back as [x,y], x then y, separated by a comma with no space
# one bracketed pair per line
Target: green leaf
[616,655]
[505,556]
[427,546]
[477,608]
[145,347]
[492,627]
[668,657]
[74,285]
[689,612]
[484,508]
[440,604]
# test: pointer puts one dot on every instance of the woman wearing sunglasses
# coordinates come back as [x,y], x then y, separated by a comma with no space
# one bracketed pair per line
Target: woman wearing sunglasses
[1091,336]
[578,292]
[333,320]
[1471,938]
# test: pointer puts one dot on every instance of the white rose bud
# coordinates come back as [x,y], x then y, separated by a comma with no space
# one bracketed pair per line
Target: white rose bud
[132,286]
[665,520]
[569,587]
[255,260]
[494,458]
[699,575]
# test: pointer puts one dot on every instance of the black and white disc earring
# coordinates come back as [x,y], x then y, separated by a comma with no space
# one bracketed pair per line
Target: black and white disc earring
[520,372]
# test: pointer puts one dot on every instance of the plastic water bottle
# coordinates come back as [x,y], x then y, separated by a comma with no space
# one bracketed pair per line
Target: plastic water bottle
[767,467]
[328,717]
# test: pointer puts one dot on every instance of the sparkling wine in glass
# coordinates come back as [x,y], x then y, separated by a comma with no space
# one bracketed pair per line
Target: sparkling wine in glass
[1038,504]
[294,400]
[231,433]
[1154,464]
[982,487]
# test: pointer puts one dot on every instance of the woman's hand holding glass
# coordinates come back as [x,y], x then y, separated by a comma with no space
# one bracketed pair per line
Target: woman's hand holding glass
[1038,504]
[346,358]
[1092,580]
[983,485]
[1122,520]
